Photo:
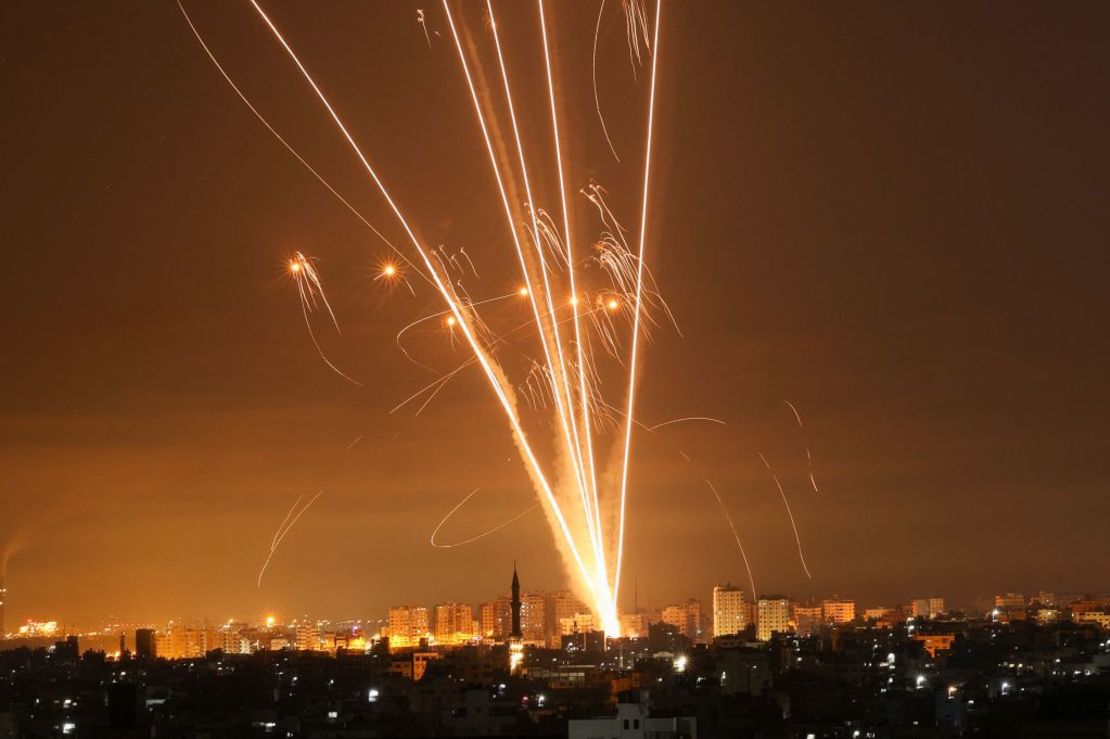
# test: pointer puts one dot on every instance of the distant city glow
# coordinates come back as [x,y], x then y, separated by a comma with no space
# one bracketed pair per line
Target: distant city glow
[38,628]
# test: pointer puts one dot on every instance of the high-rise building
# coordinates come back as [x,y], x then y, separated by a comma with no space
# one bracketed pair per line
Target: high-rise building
[634,625]
[926,607]
[182,642]
[838,610]
[487,620]
[232,639]
[730,615]
[533,618]
[807,619]
[1043,598]
[495,618]
[308,637]
[144,643]
[773,615]
[695,625]
[400,625]
[879,614]
[408,625]
[579,623]
[454,623]
[560,604]
[686,618]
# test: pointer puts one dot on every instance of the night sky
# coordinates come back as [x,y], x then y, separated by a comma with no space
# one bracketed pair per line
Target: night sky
[892,215]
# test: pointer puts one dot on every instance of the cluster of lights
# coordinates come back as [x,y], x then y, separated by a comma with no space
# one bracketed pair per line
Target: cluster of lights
[39,628]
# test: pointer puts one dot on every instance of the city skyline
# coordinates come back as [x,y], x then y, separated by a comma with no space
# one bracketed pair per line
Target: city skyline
[547,613]
[906,254]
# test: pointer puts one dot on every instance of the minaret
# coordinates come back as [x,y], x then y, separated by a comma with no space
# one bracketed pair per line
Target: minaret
[516,636]
[515,604]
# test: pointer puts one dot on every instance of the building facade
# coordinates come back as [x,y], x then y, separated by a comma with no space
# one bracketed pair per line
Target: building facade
[730,613]
[773,616]
[838,611]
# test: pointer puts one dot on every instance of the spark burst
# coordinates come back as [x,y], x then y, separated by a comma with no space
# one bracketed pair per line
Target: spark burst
[584,483]
[311,292]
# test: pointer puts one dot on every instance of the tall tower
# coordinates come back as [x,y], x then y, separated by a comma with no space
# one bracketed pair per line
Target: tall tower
[516,633]
[516,637]
[3,597]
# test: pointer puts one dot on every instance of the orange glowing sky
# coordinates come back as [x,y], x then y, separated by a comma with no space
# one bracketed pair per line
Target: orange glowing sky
[894,217]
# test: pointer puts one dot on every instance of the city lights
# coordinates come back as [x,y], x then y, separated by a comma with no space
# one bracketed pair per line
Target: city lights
[397,371]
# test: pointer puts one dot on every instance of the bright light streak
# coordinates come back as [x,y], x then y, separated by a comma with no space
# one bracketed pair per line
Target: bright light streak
[291,517]
[566,377]
[805,439]
[482,535]
[735,535]
[311,291]
[789,513]
[569,540]
[634,350]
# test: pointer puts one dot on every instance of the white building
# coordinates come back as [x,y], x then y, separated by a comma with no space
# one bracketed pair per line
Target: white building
[633,721]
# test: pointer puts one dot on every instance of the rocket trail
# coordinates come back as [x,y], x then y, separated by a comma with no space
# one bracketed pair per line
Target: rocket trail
[584,408]
[424,25]
[312,295]
[556,363]
[706,419]
[442,314]
[638,305]
[482,535]
[573,320]
[289,147]
[597,100]
[291,517]
[789,513]
[462,317]
[550,341]
[805,441]
[635,18]
[735,535]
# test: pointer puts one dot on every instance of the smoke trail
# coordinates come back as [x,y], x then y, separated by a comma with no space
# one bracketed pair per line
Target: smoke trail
[14,546]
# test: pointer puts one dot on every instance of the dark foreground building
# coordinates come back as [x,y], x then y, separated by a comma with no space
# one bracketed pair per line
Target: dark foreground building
[981,679]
